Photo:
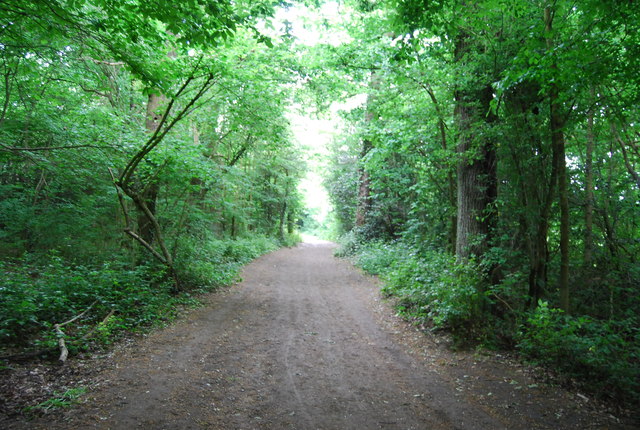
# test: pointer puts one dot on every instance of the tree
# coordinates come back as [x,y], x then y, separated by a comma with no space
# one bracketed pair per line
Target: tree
[122,79]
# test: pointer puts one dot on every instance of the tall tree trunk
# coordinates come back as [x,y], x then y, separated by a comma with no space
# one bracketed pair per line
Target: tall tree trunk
[148,192]
[540,249]
[291,221]
[537,189]
[364,191]
[150,197]
[233,227]
[558,146]
[285,207]
[476,180]
[282,222]
[364,199]
[588,184]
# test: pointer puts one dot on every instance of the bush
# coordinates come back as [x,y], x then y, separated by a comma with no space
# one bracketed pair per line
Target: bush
[429,284]
[603,355]
[291,239]
[213,263]
[349,244]
[38,292]
[446,293]
[376,257]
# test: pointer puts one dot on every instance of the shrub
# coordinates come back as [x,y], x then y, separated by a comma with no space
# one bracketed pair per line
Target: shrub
[446,293]
[349,244]
[204,264]
[603,355]
[38,292]
[376,257]
[291,239]
[429,284]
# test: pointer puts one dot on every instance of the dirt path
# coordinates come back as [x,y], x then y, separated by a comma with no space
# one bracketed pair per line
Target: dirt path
[304,342]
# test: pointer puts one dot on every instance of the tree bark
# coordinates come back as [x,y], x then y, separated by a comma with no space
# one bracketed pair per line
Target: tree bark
[282,221]
[558,146]
[290,221]
[364,187]
[364,199]
[588,184]
[477,173]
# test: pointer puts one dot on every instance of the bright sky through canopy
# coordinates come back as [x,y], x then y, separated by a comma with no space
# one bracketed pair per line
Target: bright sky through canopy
[310,27]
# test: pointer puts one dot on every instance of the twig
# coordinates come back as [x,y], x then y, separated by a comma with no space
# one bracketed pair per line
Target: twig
[64,352]
[503,301]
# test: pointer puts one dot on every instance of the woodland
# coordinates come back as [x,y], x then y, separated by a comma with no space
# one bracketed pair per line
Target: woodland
[490,178]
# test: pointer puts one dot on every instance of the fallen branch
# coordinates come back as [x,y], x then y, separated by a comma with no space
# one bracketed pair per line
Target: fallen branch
[31,354]
[64,352]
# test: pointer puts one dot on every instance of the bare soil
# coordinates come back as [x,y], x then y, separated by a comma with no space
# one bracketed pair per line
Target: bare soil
[306,342]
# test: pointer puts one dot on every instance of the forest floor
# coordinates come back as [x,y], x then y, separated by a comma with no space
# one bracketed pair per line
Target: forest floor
[305,341]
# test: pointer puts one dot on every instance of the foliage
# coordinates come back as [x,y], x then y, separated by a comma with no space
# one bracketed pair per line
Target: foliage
[215,262]
[602,355]
[341,182]
[185,105]
[40,291]
[349,244]
[430,287]
[291,239]
[456,151]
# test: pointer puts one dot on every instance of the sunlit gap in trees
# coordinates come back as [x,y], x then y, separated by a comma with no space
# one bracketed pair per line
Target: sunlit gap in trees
[312,130]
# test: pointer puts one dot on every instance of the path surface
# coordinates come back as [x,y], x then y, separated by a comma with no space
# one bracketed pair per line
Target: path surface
[304,342]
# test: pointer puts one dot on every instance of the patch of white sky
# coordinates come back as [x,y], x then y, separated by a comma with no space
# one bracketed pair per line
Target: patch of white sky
[312,26]
[314,133]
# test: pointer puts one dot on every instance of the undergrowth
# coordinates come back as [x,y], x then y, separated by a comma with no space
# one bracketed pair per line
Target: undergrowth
[603,356]
[59,400]
[429,286]
[114,298]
